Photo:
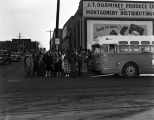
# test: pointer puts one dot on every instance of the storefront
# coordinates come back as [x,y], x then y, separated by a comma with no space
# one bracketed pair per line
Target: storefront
[102,18]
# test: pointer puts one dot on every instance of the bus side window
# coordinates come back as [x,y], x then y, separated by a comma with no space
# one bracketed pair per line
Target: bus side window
[134,48]
[123,48]
[152,48]
[145,49]
[97,50]
[112,48]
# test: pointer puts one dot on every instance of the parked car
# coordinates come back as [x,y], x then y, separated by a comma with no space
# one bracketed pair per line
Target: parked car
[15,58]
[4,57]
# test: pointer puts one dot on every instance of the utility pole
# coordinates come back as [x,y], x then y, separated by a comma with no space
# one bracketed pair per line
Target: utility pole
[19,37]
[50,38]
[57,17]
[57,24]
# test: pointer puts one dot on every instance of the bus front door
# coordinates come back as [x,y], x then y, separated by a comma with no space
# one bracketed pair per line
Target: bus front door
[110,64]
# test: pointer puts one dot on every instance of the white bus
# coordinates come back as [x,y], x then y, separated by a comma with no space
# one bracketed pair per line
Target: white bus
[127,55]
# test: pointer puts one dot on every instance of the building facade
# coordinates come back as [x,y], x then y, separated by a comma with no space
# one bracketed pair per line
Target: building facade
[103,18]
[6,45]
[19,45]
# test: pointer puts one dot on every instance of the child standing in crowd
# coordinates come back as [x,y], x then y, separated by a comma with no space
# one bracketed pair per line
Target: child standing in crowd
[79,63]
[84,64]
[66,67]
[35,59]
[62,58]
[41,71]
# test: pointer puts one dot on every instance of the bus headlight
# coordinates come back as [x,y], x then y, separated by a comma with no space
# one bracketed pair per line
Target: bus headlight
[152,62]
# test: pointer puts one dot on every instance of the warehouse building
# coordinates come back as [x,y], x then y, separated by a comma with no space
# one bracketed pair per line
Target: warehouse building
[102,18]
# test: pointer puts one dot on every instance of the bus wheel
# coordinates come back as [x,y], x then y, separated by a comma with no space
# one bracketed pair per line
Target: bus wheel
[130,70]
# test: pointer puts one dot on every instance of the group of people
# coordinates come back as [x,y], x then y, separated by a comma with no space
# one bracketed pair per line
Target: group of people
[72,63]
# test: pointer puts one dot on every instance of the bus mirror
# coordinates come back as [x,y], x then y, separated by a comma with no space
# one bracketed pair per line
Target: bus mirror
[152,61]
[118,63]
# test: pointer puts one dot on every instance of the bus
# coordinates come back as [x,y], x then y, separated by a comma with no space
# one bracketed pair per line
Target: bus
[126,55]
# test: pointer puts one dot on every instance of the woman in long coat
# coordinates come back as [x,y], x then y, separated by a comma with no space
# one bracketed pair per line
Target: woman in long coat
[84,64]
[29,65]
[58,65]
[48,64]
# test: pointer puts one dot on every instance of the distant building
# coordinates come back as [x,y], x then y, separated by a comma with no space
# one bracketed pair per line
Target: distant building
[6,45]
[34,45]
[67,42]
[23,45]
[19,45]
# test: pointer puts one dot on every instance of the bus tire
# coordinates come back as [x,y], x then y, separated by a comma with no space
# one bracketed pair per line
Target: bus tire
[130,70]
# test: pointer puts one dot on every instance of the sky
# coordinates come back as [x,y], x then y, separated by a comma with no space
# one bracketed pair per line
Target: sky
[33,18]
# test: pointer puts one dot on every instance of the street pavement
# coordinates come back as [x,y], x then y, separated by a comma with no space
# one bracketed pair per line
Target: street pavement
[92,98]
[148,115]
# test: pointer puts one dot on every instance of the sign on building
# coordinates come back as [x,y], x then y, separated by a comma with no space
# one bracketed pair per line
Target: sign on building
[57,41]
[118,9]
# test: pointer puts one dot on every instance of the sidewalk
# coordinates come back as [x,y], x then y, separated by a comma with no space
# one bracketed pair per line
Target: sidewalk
[148,115]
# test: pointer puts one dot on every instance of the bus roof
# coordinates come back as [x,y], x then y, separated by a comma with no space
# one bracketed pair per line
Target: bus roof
[125,40]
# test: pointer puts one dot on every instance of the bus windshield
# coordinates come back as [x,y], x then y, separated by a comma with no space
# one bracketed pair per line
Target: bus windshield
[104,48]
[108,48]
[96,48]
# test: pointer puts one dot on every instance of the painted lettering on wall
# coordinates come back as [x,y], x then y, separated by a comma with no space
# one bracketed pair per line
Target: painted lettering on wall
[118,9]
